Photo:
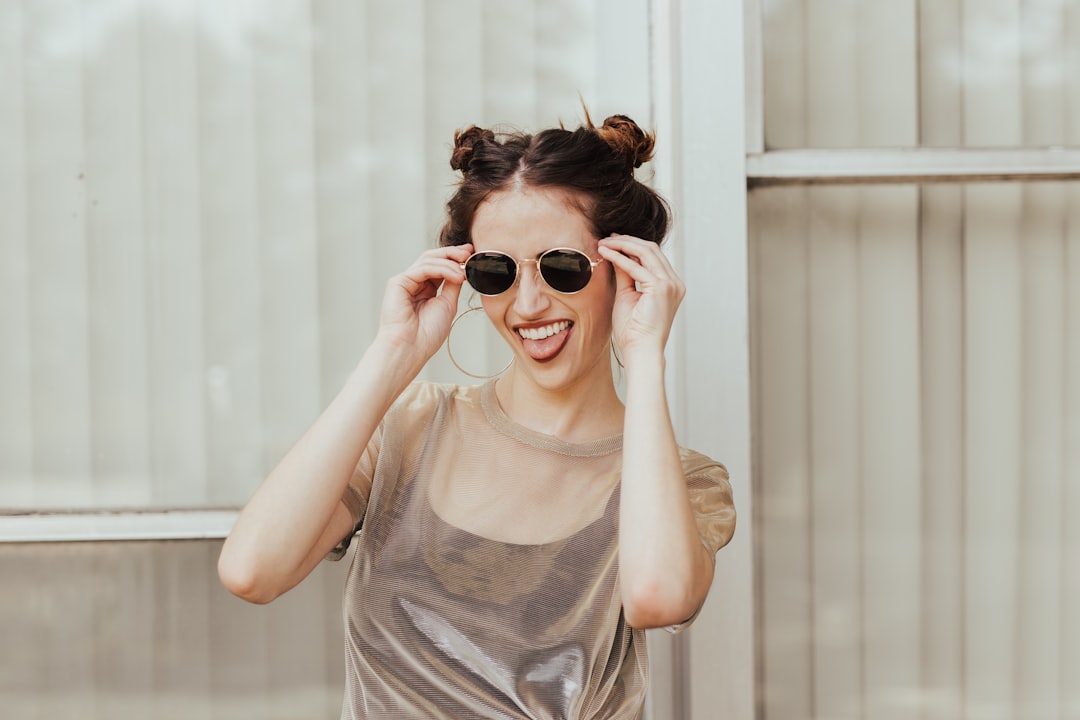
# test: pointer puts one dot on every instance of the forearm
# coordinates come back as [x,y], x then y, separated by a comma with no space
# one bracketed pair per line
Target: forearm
[664,568]
[287,516]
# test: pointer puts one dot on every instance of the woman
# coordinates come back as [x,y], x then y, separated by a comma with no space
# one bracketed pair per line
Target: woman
[519,536]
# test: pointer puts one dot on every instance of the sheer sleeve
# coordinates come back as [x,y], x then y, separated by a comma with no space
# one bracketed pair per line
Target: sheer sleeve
[709,488]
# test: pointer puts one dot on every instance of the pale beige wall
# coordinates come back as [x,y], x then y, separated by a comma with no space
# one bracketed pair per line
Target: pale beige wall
[200,204]
[916,364]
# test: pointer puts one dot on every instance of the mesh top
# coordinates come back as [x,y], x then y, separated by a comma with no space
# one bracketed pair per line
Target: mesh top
[485,579]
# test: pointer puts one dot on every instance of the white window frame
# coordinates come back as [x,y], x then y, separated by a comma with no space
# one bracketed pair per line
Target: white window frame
[911,165]
[84,526]
[708,117]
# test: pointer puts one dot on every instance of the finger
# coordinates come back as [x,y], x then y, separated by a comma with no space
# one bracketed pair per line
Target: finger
[428,273]
[457,253]
[648,266]
[453,255]
[626,265]
[644,252]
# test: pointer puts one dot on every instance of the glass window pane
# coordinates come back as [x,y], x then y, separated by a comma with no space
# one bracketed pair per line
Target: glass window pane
[916,399]
[200,204]
[932,73]
[129,631]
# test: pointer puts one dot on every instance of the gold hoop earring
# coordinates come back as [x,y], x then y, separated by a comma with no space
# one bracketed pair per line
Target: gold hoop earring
[450,353]
[615,353]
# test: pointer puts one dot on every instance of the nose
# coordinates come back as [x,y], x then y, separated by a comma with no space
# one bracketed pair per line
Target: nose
[531,298]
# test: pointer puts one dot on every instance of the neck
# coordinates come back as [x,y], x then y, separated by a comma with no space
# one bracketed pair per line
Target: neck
[587,410]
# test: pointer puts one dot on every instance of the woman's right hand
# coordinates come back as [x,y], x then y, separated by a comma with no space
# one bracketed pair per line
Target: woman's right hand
[415,315]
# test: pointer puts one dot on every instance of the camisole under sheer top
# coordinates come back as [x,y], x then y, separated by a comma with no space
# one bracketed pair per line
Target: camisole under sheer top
[484,582]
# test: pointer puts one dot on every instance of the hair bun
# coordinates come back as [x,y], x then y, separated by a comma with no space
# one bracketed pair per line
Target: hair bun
[464,142]
[626,139]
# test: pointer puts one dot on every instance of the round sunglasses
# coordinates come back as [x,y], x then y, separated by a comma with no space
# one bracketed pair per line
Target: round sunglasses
[565,270]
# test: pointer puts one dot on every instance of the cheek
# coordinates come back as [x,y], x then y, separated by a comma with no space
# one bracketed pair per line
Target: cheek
[491,307]
[603,303]
[495,309]
[607,289]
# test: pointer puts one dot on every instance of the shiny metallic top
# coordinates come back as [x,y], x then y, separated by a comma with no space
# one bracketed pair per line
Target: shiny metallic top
[485,578]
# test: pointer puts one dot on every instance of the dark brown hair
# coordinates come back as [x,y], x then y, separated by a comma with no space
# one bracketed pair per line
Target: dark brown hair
[597,163]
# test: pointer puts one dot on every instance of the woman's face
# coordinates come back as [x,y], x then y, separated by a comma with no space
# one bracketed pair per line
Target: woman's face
[559,340]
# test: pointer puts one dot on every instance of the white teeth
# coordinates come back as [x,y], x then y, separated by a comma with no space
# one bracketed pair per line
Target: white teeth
[543,332]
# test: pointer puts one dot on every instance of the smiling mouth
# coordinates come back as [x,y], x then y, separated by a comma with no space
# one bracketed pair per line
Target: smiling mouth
[544,332]
[546,341]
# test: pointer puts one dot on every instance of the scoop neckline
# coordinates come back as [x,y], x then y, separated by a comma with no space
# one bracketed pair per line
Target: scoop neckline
[502,422]
[556,543]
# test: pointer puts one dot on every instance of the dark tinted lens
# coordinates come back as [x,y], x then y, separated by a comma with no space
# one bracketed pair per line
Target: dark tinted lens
[490,273]
[567,271]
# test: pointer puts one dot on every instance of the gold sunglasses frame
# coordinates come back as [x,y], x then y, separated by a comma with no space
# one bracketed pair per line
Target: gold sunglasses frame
[536,261]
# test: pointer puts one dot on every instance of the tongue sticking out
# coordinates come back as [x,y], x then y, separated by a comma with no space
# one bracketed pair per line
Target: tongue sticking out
[548,347]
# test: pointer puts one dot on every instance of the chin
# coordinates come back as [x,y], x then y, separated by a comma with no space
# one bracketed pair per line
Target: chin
[558,373]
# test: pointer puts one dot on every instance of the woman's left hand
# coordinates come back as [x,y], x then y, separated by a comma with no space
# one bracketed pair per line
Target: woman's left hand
[647,293]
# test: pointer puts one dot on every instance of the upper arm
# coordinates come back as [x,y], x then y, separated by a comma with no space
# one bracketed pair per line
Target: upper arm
[709,491]
[347,513]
